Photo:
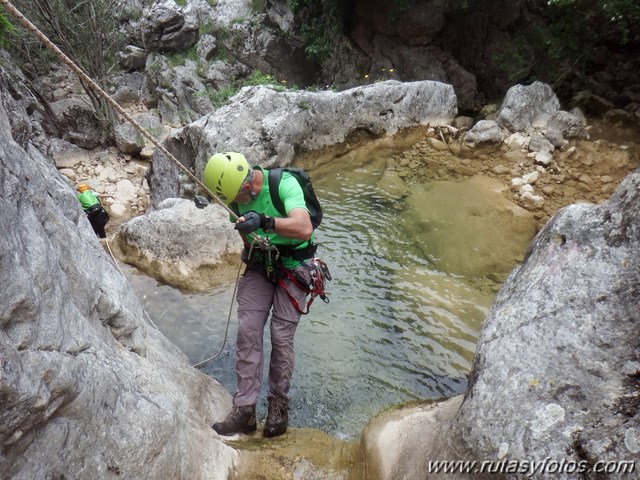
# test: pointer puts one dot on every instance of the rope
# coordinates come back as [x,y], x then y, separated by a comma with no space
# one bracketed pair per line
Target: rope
[96,88]
[226,330]
[106,240]
[233,297]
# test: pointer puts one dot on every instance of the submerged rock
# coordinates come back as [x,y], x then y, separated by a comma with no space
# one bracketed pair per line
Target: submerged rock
[470,228]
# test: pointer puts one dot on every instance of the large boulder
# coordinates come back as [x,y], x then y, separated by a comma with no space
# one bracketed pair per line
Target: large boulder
[527,105]
[166,28]
[179,91]
[77,119]
[188,248]
[90,388]
[561,340]
[271,126]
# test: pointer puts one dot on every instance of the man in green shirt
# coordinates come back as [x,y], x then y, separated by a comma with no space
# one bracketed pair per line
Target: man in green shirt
[96,214]
[269,286]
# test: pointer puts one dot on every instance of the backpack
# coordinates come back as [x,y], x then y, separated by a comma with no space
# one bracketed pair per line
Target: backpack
[310,198]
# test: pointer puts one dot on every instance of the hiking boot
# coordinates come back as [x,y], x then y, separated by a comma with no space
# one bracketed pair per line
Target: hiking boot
[240,420]
[277,419]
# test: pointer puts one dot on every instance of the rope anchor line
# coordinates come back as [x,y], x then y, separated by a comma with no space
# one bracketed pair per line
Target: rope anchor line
[14,12]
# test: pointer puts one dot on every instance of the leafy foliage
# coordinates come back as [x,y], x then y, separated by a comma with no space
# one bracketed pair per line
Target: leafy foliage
[86,31]
[6,28]
[326,23]
[564,44]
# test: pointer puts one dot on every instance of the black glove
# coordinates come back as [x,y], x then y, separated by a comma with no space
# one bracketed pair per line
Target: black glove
[253,221]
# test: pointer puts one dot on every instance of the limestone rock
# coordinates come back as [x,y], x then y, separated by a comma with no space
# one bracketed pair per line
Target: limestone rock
[128,138]
[132,58]
[264,124]
[525,105]
[188,248]
[571,124]
[89,386]
[77,121]
[444,229]
[391,187]
[389,440]
[483,132]
[165,28]
[561,340]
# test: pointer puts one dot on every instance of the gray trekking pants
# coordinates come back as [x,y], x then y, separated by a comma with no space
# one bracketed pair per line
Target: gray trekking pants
[257,296]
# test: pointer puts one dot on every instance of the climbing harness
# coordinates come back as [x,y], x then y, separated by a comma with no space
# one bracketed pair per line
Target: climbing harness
[319,272]
[276,272]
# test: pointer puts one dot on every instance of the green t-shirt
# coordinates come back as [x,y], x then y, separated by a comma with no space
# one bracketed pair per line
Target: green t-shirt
[88,198]
[292,197]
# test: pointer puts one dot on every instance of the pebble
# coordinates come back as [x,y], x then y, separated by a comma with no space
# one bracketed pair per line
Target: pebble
[526,188]
[500,170]
[584,178]
[532,200]
[531,177]
[543,158]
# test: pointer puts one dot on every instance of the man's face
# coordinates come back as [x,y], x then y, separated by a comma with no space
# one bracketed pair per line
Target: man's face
[244,194]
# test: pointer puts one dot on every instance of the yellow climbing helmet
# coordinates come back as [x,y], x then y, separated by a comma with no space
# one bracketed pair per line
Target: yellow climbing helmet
[83,187]
[224,174]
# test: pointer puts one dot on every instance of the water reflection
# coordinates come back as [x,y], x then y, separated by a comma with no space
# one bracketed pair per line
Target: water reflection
[396,329]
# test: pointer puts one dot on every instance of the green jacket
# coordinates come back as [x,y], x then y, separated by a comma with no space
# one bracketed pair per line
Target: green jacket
[87,199]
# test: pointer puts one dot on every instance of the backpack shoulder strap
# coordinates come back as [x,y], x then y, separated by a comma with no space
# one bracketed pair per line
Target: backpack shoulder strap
[234,208]
[275,175]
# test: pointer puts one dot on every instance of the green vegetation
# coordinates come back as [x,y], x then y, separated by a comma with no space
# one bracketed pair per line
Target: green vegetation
[259,78]
[207,29]
[258,6]
[6,29]
[565,43]
[87,32]
[220,97]
[179,58]
[326,24]
[327,19]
